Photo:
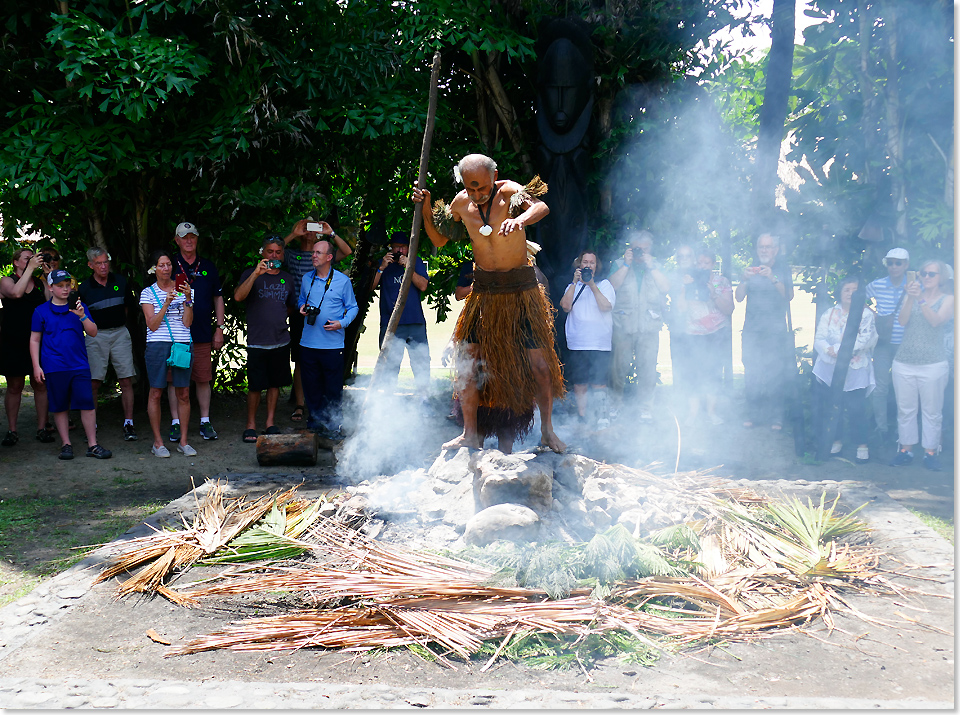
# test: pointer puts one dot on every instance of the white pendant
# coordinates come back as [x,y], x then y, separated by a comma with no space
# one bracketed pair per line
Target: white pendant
[486,230]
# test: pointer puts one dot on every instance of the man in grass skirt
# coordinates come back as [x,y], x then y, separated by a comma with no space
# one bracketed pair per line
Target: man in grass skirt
[506,361]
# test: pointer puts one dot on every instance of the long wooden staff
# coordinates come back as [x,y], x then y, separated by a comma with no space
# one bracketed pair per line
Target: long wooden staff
[414,230]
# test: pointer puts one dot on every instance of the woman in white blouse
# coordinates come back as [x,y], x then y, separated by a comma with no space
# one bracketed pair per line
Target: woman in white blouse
[860,379]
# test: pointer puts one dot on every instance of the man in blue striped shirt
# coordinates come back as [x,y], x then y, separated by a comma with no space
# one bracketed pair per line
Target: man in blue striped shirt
[888,294]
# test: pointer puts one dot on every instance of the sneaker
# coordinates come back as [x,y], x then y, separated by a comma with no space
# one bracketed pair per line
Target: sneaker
[863,455]
[66,451]
[902,457]
[98,452]
[10,439]
[603,423]
[129,433]
[932,462]
[45,436]
[646,416]
[160,451]
[175,432]
[207,431]
[186,450]
[837,447]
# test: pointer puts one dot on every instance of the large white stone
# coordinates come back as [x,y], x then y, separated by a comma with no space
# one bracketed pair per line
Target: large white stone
[515,479]
[510,522]
[454,466]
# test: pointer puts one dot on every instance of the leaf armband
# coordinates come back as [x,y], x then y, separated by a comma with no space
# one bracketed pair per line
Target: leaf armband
[444,223]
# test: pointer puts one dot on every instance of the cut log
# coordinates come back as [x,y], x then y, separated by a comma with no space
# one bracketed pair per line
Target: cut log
[297,449]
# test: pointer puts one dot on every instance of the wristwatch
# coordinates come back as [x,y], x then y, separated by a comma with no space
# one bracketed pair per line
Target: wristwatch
[776,280]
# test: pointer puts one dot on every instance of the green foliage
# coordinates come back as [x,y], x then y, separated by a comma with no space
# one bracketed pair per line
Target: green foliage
[544,651]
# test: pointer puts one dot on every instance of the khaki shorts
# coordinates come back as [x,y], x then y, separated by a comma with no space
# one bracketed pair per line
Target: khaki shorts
[110,345]
[202,370]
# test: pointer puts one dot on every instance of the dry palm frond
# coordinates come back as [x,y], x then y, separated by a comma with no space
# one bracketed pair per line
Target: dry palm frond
[165,553]
[274,537]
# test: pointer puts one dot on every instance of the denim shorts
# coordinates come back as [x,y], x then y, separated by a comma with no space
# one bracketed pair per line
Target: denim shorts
[158,372]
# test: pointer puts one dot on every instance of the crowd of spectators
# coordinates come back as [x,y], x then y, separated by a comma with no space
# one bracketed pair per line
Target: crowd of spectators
[63,333]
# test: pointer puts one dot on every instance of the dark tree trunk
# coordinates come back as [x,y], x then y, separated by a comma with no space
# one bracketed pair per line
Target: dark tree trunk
[774,111]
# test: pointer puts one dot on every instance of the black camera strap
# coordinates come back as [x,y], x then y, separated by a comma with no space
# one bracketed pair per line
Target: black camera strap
[326,287]
[578,296]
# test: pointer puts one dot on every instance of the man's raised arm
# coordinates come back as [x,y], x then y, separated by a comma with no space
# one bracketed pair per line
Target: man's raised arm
[534,210]
[422,197]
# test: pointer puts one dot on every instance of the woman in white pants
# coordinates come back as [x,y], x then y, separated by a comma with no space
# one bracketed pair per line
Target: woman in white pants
[920,367]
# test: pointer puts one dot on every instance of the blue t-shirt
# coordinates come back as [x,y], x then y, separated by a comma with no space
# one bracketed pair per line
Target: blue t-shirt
[205,284]
[62,347]
[390,291]
[336,303]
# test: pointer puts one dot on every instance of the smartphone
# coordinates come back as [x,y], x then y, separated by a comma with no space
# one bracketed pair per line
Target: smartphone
[313,226]
[911,276]
[73,300]
[179,282]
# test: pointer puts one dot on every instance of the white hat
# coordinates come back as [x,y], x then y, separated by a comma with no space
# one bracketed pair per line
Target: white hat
[900,253]
[185,228]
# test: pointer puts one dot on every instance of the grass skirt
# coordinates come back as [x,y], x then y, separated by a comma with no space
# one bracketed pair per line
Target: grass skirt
[506,314]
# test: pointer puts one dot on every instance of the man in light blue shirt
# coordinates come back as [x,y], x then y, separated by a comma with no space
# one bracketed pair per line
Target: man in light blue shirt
[328,305]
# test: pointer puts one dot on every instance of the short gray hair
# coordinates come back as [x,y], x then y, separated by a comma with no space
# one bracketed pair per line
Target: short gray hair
[773,237]
[272,239]
[477,161]
[95,253]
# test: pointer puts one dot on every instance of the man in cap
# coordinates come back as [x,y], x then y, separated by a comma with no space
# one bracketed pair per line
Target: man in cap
[108,297]
[888,292]
[60,361]
[298,262]
[412,329]
[206,329]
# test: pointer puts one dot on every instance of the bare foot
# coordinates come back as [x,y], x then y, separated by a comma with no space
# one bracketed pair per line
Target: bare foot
[463,441]
[550,440]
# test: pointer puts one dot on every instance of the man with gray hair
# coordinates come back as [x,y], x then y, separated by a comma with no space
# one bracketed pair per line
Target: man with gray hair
[108,297]
[637,318]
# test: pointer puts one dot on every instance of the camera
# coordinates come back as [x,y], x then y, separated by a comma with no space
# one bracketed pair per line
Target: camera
[73,300]
[586,274]
[46,258]
[313,227]
[312,311]
[274,264]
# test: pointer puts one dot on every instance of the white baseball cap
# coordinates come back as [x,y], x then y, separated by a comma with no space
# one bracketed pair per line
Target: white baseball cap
[900,253]
[185,228]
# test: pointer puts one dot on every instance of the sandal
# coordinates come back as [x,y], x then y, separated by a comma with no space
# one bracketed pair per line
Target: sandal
[10,439]
[249,436]
[45,436]
[297,415]
[272,429]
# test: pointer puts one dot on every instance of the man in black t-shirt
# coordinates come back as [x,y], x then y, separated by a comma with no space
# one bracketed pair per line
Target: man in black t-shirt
[108,297]
[206,330]
[768,290]
[270,296]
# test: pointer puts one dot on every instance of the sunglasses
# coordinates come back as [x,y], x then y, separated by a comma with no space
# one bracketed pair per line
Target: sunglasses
[895,262]
[928,274]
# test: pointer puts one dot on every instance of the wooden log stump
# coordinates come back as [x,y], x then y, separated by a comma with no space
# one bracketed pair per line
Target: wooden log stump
[298,449]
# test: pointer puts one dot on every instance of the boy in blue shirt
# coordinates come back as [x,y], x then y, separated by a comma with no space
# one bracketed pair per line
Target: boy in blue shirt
[60,362]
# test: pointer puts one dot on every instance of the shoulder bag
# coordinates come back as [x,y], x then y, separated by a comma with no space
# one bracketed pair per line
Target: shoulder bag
[181,354]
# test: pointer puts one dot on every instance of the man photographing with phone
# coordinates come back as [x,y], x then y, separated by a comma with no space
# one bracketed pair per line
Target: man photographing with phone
[328,305]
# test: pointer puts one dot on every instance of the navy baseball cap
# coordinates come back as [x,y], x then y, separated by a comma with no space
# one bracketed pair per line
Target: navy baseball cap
[400,237]
[58,276]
